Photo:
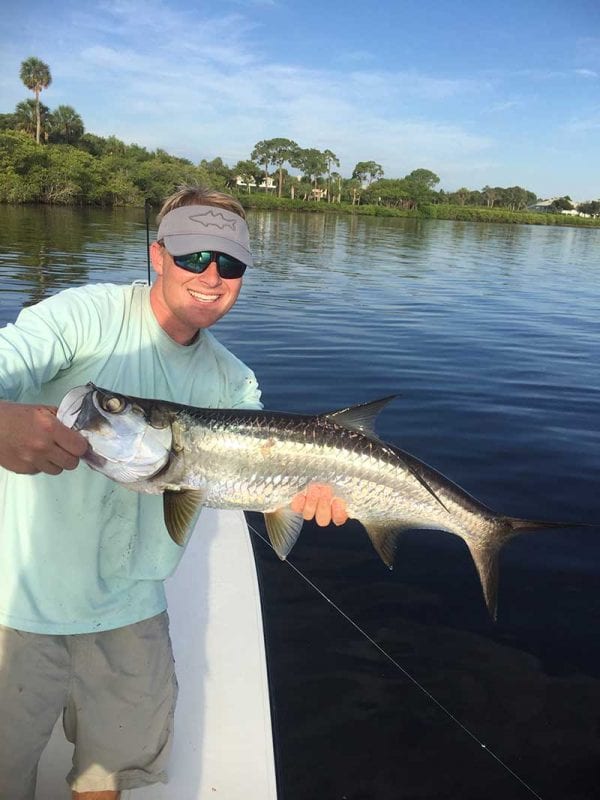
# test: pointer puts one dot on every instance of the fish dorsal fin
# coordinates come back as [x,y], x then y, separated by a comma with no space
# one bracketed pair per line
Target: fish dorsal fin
[283,527]
[362,417]
[181,510]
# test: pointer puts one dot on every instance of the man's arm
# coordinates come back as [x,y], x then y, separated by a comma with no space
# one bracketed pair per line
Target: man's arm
[32,440]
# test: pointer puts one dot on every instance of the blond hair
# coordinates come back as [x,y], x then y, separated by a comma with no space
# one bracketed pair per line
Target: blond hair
[190,195]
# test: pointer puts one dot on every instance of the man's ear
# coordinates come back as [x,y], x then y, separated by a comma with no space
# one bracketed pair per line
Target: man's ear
[157,255]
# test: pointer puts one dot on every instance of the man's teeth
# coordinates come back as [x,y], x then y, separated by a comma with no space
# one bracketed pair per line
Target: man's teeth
[206,298]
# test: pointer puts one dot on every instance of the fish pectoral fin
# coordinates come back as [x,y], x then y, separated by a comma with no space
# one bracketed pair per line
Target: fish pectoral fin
[181,510]
[283,527]
[383,537]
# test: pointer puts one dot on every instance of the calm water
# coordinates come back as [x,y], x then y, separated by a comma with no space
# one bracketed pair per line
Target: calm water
[490,335]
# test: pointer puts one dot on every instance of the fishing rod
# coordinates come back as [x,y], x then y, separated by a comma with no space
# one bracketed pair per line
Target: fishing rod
[147,207]
[404,671]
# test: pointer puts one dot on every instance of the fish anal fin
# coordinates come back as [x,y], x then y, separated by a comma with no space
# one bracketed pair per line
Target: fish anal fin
[181,510]
[283,527]
[361,417]
[383,536]
[486,558]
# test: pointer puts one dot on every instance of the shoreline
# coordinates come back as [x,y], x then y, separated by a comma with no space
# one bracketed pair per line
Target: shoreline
[431,211]
[439,211]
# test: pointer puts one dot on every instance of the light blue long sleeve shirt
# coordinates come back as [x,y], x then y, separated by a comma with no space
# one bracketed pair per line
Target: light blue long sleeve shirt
[78,552]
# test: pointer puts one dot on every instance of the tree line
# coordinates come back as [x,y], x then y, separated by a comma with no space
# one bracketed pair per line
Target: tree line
[47,156]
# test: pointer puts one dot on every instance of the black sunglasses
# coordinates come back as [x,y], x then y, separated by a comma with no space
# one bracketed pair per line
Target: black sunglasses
[227,266]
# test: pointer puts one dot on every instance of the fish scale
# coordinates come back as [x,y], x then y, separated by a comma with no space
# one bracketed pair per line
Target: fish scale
[259,460]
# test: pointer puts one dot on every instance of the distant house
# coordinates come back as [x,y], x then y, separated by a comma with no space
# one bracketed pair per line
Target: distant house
[548,206]
[270,184]
[542,205]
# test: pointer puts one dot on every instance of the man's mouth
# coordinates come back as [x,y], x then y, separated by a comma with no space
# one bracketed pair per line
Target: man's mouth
[204,298]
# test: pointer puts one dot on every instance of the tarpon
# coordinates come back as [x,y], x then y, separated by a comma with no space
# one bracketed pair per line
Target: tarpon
[259,460]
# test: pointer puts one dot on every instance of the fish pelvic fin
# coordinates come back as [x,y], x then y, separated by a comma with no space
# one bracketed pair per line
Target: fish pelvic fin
[362,417]
[181,510]
[283,527]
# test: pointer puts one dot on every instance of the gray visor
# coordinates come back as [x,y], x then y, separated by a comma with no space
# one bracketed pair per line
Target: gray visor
[191,229]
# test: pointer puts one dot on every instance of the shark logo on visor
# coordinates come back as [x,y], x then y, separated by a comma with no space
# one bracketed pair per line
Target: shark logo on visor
[224,222]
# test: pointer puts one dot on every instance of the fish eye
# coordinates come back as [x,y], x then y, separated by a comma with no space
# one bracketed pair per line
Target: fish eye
[113,404]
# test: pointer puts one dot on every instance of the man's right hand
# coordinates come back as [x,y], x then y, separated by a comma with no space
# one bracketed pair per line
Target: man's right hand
[32,440]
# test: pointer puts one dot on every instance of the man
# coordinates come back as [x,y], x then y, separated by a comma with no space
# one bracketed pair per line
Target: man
[83,626]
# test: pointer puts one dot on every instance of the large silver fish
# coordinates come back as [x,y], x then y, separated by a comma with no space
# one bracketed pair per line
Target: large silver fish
[259,460]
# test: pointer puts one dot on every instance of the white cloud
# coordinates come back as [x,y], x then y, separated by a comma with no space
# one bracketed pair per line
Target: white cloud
[583,125]
[503,105]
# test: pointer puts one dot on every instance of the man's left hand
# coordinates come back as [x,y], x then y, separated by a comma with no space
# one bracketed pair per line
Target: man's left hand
[319,503]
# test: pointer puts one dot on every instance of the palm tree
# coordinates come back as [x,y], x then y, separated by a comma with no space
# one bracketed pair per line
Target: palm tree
[28,116]
[36,76]
[65,125]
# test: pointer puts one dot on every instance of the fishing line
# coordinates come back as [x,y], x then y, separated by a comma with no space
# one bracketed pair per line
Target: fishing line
[405,672]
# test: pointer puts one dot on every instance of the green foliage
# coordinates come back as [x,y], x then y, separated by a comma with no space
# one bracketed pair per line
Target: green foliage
[592,208]
[248,172]
[367,171]
[502,215]
[8,122]
[101,172]
[35,74]
[65,125]
[562,204]
[28,114]
[278,151]
[312,163]
[219,175]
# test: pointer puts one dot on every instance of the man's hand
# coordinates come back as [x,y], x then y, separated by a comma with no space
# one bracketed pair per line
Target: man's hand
[319,503]
[32,440]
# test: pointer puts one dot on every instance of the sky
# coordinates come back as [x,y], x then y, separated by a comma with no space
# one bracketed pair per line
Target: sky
[500,94]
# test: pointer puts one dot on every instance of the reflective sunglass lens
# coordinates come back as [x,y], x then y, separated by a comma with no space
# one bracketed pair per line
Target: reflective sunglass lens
[194,262]
[227,266]
[230,267]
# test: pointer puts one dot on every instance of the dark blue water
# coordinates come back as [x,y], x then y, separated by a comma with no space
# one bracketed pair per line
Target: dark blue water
[490,336]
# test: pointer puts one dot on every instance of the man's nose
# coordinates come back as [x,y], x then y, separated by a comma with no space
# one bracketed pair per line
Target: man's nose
[211,276]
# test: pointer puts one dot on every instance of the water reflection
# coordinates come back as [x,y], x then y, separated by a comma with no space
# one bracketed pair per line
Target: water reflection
[48,248]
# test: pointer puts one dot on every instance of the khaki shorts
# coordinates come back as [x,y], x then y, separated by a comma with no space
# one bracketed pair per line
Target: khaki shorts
[116,690]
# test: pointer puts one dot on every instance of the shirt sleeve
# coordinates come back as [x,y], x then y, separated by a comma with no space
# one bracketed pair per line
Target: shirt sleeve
[45,339]
[246,393]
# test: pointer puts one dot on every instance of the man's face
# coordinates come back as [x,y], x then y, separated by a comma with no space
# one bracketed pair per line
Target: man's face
[183,302]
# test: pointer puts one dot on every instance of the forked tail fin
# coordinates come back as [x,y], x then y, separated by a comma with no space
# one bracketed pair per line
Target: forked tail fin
[485,553]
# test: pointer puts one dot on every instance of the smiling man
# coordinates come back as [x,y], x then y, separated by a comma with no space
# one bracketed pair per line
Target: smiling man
[83,624]
[200,258]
